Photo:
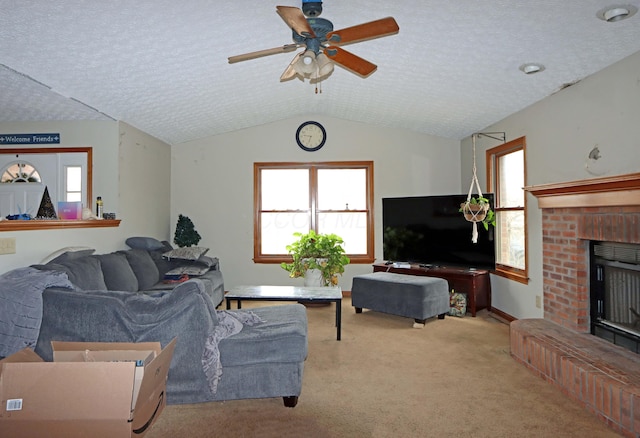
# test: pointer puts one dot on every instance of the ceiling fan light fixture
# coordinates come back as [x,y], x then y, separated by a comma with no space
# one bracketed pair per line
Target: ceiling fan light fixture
[325,66]
[325,69]
[613,14]
[531,68]
[307,63]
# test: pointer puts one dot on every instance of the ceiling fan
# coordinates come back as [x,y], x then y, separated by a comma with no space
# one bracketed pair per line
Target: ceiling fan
[323,45]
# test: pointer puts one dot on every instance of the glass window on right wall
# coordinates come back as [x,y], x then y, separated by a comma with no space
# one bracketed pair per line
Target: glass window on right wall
[506,177]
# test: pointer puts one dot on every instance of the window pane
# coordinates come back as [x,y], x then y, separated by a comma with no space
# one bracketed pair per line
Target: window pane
[74,197]
[511,179]
[278,228]
[74,178]
[342,189]
[285,189]
[511,238]
[20,172]
[352,227]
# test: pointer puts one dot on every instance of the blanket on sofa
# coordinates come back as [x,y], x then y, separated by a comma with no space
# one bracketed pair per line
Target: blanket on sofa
[229,323]
[21,306]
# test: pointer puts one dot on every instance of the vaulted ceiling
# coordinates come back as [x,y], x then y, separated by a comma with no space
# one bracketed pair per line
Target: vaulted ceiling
[162,67]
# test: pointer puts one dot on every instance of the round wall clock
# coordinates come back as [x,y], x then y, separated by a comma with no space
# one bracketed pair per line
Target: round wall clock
[311,136]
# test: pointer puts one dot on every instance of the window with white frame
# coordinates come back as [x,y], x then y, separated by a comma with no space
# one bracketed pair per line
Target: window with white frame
[506,174]
[331,197]
[73,183]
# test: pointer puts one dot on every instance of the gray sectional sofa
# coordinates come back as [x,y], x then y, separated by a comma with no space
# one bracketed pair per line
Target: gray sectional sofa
[141,269]
[124,297]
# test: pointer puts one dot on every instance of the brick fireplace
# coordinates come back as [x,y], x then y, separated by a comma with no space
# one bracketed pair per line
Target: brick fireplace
[604,377]
[605,209]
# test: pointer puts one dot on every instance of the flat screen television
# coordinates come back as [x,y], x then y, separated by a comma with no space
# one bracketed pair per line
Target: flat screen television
[430,230]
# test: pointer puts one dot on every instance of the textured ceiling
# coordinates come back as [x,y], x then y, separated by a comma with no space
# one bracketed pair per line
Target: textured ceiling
[162,66]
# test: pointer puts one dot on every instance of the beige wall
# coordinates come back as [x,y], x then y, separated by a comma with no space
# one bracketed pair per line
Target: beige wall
[602,110]
[130,171]
[212,182]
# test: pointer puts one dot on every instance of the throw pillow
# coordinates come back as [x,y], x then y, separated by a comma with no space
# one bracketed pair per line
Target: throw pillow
[148,243]
[143,267]
[191,270]
[187,253]
[117,272]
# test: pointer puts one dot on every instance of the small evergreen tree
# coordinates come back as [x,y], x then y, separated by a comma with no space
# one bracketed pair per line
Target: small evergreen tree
[186,234]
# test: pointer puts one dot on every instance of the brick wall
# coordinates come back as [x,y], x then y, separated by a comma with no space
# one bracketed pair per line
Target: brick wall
[566,233]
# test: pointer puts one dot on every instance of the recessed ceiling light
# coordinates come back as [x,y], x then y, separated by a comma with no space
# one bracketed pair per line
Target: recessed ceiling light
[613,14]
[531,68]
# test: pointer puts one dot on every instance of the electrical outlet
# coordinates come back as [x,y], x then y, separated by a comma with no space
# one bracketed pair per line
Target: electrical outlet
[538,301]
[8,245]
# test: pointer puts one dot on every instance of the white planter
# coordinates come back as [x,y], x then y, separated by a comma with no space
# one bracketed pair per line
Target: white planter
[313,278]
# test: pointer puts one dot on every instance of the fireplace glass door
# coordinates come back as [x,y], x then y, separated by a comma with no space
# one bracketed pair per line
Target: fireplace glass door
[615,293]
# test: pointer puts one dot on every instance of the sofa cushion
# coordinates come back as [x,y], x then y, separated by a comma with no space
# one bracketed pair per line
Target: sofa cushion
[117,272]
[148,243]
[163,264]
[281,338]
[143,267]
[68,253]
[85,272]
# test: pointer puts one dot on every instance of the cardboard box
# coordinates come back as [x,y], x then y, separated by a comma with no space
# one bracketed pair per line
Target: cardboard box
[90,389]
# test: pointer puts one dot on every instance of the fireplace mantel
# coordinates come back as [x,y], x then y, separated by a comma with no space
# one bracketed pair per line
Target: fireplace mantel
[613,191]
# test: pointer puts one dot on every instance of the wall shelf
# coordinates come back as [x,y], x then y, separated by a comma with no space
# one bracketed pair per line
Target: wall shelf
[56,224]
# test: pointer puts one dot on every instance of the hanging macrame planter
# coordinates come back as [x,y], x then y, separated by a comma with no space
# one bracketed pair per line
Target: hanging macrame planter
[475,209]
[474,212]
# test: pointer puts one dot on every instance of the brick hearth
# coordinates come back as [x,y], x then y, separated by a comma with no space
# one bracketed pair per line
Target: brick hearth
[603,377]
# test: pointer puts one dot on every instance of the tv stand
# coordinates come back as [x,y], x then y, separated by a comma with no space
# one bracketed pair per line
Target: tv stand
[474,282]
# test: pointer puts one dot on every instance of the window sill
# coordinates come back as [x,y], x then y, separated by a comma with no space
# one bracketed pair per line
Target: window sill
[512,274]
[56,224]
[354,260]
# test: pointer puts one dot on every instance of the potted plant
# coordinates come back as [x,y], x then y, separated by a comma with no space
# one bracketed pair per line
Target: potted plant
[186,234]
[478,209]
[316,255]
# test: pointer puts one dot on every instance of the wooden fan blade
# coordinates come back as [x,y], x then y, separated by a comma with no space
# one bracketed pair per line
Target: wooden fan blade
[260,53]
[349,61]
[296,20]
[363,32]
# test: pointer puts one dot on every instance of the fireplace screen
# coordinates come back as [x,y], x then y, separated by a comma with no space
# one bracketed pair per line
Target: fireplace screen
[615,292]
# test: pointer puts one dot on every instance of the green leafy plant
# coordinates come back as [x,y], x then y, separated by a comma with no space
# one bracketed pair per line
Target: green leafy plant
[317,251]
[478,209]
[186,234]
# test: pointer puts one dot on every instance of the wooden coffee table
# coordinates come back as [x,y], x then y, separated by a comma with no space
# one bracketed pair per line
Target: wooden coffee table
[301,294]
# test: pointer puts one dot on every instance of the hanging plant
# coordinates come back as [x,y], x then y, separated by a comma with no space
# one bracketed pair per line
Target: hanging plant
[478,209]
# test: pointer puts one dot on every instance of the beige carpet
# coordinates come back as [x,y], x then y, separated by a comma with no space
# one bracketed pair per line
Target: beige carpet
[385,378]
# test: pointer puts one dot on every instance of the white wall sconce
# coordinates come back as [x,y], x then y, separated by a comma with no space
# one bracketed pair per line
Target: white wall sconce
[531,68]
[613,14]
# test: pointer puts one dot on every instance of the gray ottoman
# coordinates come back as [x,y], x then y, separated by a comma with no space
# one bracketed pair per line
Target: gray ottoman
[411,296]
